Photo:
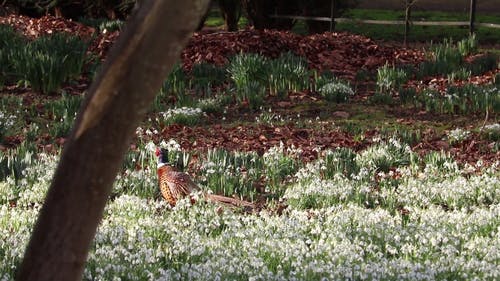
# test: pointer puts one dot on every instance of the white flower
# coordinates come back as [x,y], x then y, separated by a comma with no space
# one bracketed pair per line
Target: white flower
[492,127]
[335,237]
[457,135]
[150,146]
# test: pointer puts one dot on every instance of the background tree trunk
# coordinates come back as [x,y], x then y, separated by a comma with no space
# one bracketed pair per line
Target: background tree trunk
[231,12]
[204,17]
[472,16]
[258,12]
[118,99]
[408,5]
[407,22]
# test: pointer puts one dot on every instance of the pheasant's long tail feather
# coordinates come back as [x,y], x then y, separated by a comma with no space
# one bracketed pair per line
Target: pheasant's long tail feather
[229,201]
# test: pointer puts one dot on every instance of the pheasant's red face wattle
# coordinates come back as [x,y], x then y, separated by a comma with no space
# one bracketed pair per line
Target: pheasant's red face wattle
[158,152]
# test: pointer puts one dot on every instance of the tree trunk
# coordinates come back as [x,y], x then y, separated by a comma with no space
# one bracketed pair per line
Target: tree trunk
[286,7]
[472,16]
[407,22]
[258,12]
[204,17]
[318,8]
[408,6]
[332,16]
[118,99]
[231,11]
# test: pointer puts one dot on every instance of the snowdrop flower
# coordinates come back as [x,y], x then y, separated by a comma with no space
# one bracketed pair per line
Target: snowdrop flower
[139,131]
[457,135]
[333,237]
[150,146]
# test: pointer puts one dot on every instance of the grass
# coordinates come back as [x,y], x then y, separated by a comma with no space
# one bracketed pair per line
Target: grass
[390,79]
[418,33]
[396,32]
[103,24]
[46,63]
[417,15]
[214,18]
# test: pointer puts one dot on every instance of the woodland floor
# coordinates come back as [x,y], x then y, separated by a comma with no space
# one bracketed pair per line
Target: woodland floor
[302,119]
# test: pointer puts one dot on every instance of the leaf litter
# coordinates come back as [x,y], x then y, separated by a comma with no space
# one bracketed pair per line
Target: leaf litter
[342,53]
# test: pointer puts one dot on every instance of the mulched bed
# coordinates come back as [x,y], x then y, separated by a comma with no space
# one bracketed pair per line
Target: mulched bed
[35,27]
[260,138]
[342,53]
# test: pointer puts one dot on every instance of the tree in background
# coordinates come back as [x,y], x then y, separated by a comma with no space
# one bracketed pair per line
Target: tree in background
[408,6]
[7,8]
[231,12]
[74,9]
[259,11]
[201,23]
[110,9]
[33,8]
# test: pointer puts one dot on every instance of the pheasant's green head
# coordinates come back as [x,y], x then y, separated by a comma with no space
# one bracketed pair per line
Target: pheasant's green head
[162,155]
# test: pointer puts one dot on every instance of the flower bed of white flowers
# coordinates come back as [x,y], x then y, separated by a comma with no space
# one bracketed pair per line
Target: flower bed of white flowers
[457,135]
[415,221]
[6,122]
[182,115]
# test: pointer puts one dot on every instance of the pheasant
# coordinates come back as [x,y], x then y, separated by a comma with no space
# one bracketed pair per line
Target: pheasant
[175,185]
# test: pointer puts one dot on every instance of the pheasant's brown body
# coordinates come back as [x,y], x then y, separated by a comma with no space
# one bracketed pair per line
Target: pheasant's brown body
[175,185]
[165,190]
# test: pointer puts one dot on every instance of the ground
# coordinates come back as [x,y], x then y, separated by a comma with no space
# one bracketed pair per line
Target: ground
[344,54]
[363,189]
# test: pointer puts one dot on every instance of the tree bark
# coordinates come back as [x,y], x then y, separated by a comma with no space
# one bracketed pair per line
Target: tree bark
[118,99]
[472,16]
[258,12]
[231,12]
[201,22]
[407,22]
[408,5]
